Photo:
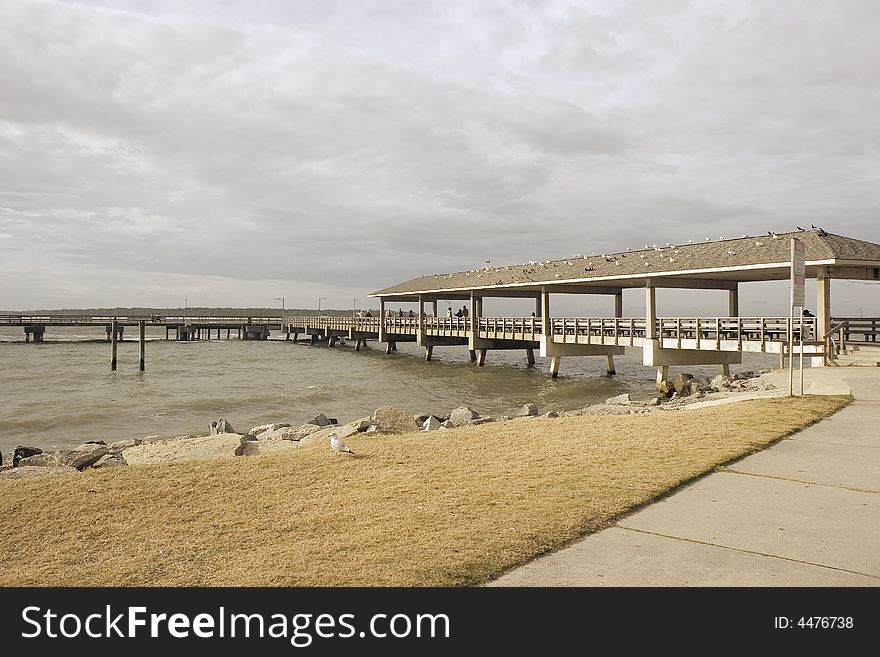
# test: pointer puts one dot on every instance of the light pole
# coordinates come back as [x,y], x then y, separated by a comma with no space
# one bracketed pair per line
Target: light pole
[354,308]
[281,299]
[320,299]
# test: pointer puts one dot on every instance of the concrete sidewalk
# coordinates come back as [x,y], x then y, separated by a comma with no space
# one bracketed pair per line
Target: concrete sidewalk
[805,512]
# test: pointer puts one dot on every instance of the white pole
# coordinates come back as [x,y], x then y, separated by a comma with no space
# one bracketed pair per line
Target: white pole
[802,351]
[791,352]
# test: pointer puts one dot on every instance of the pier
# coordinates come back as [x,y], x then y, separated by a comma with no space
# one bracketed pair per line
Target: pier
[720,266]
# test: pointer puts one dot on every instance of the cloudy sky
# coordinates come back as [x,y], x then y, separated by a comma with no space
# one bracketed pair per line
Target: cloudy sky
[231,152]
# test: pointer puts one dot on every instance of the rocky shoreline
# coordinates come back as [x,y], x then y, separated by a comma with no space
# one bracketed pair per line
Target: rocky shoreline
[224,441]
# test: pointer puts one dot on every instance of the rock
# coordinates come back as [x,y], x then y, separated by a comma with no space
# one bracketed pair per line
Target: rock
[247,446]
[680,382]
[342,431]
[551,414]
[447,424]
[31,471]
[502,418]
[221,426]
[431,424]
[94,442]
[372,429]
[654,401]
[80,457]
[462,415]
[619,399]
[184,448]
[120,445]
[693,388]
[674,395]
[23,452]
[290,433]
[363,424]
[721,382]
[111,459]
[665,388]
[268,428]
[333,420]
[764,370]
[528,410]
[740,376]
[393,420]
[478,420]
[320,420]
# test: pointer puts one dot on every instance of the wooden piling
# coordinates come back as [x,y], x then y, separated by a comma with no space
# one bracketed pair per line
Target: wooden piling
[142,331]
[113,334]
[530,356]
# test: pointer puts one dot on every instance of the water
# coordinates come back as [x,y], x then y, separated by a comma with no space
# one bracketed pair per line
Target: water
[62,392]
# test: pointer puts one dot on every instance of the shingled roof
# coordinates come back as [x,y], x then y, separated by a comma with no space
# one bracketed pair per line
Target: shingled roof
[741,254]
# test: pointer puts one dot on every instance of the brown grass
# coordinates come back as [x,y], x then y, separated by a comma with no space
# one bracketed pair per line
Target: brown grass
[446,508]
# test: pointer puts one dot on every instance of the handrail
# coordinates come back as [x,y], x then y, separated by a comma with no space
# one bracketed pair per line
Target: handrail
[835,329]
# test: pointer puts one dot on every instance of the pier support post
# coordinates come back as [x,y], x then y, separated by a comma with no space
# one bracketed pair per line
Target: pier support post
[733,302]
[429,352]
[609,365]
[473,354]
[142,338]
[331,340]
[782,356]
[530,357]
[313,339]
[724,368]
[393,345]
[554,366]
[662,375]
[434,306]
[650,311]
[113,329]
[481,357]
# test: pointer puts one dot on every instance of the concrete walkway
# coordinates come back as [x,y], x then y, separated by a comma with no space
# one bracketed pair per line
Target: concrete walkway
[805,512]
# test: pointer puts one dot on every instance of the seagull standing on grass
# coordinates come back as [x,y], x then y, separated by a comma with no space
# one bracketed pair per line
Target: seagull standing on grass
[338,446]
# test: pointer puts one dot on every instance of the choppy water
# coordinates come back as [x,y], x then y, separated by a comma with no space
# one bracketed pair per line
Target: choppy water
[62,392]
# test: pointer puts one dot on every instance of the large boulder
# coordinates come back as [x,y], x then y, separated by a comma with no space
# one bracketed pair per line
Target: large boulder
[394,420]
[221,426]
[80,457]
[23,452]
[184,448]
[666,388]
[323,435]
[619,400]
[446,424]
[528,410]
[722,382]
[462,416]
[289,433]
[431,424]
[247,446]
[268,428]
[746,374]
[320,420]
[681,381]
[111,459]
[31,471]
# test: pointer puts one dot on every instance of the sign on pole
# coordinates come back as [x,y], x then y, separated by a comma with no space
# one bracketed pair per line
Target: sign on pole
[798,275]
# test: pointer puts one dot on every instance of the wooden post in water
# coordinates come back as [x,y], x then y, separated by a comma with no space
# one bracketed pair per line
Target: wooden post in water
[142,328]
[114,333]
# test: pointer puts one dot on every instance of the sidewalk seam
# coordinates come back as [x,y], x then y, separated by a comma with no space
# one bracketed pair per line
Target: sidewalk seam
[744,551]
[796,481]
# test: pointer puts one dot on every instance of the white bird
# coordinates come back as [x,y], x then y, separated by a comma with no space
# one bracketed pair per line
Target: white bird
[338,446]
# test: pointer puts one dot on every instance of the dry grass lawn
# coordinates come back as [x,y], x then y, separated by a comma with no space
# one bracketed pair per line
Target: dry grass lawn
[445,508]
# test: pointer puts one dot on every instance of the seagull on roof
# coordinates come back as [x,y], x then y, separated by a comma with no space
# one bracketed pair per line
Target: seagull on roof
[708,239]
[337,445]
[690,241]
[799,228]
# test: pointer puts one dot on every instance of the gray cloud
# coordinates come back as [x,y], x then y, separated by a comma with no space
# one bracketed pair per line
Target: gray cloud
[346,146]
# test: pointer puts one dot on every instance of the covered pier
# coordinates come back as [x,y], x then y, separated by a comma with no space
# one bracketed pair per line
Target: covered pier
[665,341]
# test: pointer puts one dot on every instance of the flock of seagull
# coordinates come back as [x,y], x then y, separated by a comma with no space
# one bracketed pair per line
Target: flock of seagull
[666,253]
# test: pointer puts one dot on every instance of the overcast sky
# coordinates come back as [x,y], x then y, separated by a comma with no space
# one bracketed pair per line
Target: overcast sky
[229,153]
